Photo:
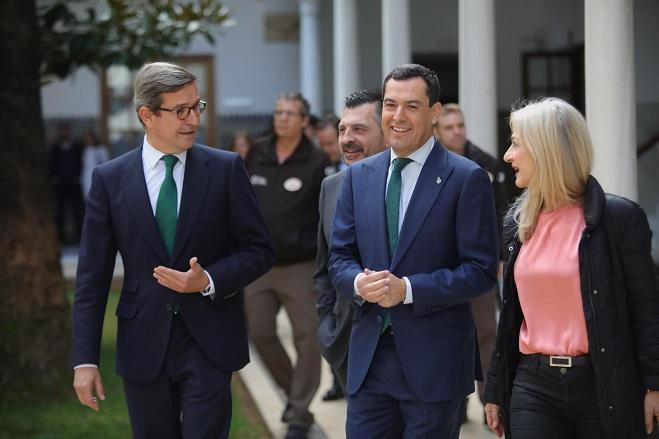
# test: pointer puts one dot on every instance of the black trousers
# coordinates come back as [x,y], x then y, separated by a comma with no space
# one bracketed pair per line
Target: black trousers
[190,399]
[553,402]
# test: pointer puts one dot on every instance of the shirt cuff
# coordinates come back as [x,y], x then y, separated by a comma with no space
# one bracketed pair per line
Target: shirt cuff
[85,365]
[356,297]
[408,292]
[210,290]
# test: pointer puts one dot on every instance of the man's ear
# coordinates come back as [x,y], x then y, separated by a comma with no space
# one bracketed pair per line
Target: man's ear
[146,115]
[436,111]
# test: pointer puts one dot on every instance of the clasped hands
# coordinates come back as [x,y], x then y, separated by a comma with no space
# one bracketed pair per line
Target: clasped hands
[381,287]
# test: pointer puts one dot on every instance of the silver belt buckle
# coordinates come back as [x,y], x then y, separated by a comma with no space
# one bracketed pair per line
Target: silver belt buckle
[560,361]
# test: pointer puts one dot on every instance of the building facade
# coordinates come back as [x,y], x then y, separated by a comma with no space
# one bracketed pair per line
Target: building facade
[601,55]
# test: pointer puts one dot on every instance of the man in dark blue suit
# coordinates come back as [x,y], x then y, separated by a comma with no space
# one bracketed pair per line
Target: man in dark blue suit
[170,208]
[414,240]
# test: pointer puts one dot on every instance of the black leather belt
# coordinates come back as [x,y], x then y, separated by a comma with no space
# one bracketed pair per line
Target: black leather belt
[559,360]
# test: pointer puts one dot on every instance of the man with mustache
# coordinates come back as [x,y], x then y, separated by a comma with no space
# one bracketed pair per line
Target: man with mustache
[360,136]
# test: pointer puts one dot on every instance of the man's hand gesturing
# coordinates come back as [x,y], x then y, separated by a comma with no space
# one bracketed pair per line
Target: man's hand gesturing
[192,281]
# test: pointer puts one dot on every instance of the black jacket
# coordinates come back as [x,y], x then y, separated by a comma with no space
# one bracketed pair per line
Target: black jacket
[620,295]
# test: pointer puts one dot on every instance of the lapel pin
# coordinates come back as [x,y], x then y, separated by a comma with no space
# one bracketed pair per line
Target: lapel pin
[439,180]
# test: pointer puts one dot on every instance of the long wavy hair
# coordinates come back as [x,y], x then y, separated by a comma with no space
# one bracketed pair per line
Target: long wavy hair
[557,138]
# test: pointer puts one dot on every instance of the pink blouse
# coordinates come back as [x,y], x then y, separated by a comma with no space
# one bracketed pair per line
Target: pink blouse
[549,287]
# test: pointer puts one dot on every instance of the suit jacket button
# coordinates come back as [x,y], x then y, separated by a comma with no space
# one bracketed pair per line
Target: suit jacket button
[379,319]
[169,307]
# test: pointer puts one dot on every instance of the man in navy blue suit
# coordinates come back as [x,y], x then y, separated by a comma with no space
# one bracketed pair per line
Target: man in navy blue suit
[187,225]
[414,240]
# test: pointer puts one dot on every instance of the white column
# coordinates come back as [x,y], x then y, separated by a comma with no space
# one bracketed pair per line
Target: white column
[346,51]
[396,48]
[478,72]
[610,93]
[311,79]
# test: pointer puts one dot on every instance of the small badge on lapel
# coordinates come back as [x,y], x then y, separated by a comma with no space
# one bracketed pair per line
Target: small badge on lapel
[439,180]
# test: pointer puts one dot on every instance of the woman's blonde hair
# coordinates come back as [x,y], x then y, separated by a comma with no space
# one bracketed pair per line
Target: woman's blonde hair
[557,138]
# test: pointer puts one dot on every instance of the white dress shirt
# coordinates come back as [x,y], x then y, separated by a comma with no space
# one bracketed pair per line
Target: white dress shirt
[154,175]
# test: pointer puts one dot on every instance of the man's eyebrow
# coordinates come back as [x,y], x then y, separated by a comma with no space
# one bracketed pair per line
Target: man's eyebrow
[411,101]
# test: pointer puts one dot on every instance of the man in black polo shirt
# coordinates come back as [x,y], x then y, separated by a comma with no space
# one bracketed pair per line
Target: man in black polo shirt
[286,171]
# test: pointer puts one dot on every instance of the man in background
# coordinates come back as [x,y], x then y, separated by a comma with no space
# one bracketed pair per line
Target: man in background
[65,170]
[328,141]
[286,171]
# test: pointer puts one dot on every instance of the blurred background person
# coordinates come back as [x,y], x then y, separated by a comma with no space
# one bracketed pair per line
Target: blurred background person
[328,141]
[578,340]
[286,171]
[93,154]
[451,132]
[241,143]
[65,168]
[311,129]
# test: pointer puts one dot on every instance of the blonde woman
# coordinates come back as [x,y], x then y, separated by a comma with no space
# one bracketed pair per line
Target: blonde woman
[577,351]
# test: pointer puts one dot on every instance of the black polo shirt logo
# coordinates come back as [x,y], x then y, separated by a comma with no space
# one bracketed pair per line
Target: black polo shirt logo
[293,184]
[258,180]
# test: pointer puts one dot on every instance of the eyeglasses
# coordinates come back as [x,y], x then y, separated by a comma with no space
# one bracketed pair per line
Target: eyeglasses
[286,113]
[183,112]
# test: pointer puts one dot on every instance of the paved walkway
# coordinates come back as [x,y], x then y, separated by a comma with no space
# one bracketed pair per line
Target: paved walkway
[330,416]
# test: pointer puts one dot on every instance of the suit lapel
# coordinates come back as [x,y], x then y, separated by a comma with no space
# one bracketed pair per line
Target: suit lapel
[431,181]
[137,200]
[195,187]
[373,198]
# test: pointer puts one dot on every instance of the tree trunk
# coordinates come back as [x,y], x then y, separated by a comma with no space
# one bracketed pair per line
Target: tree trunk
[34,311]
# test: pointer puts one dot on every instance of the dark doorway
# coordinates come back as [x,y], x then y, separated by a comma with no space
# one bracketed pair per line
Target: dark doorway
[446,67]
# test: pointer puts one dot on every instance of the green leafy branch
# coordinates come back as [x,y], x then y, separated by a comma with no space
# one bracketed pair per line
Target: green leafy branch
[88,33]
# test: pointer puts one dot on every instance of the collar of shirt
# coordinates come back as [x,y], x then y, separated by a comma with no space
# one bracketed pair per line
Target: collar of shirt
[419,156]
[410,175]
[154,173]
[151,156]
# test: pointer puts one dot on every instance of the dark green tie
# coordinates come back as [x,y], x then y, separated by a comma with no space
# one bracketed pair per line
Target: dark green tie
[166,205]
[392,203]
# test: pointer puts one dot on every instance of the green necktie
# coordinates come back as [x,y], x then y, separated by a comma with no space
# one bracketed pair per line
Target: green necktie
[166,205]
[392,203]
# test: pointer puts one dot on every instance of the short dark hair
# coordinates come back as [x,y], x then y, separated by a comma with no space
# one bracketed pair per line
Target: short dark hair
[313,121]
[330,120]
[362,97]
[297,96]
[409,71]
